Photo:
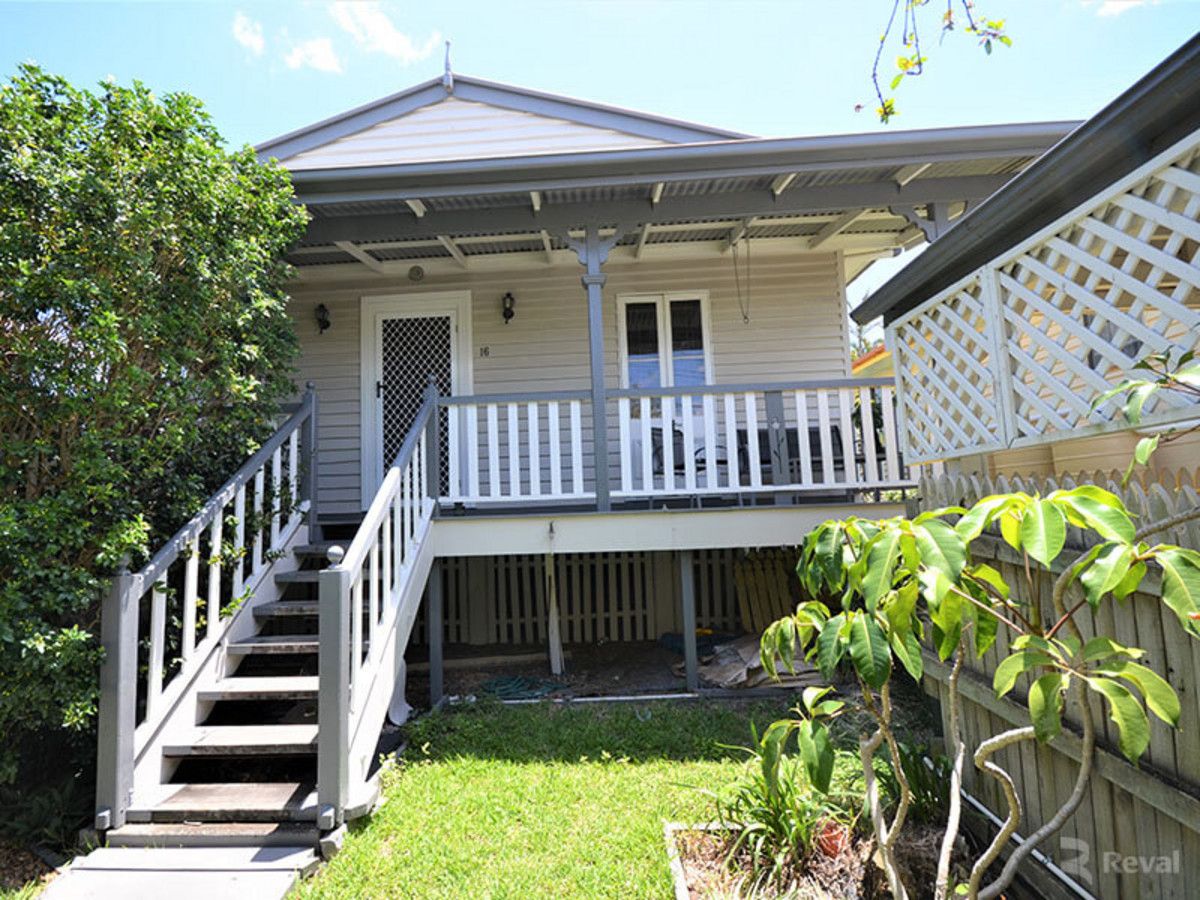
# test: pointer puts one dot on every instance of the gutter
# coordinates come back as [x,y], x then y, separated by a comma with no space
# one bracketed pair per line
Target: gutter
[1156,112]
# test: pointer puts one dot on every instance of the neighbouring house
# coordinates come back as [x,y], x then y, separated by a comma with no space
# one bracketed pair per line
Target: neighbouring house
[566,363]
[1044,297]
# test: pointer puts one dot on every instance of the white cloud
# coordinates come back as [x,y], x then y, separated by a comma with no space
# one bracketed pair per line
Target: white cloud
[248,33]
[316,53]
[1108,8]
[372,29]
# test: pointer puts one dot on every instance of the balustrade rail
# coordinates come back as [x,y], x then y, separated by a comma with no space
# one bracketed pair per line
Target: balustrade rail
[369,597]
[192,587]
[829,436]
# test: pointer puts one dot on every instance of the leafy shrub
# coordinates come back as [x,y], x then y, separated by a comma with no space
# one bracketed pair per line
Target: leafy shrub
[144,347]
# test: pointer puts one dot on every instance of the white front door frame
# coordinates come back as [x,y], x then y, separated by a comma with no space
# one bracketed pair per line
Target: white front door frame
[373,310]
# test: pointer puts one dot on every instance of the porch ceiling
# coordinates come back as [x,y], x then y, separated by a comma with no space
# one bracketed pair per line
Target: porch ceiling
[857,193]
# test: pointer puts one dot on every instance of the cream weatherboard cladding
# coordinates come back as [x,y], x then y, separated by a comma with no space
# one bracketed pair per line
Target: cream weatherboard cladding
[464,129]
[797,331]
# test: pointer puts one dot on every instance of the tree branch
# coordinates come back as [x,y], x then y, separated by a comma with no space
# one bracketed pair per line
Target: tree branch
[942,884]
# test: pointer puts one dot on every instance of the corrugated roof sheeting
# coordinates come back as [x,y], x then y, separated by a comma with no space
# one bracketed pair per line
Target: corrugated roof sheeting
[427,251]
[482,249]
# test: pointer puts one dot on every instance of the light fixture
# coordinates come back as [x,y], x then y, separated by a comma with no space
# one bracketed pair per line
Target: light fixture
[508,306]
[323,322]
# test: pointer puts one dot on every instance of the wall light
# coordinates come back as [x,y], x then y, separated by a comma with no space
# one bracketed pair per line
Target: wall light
[508,306]
[323,322]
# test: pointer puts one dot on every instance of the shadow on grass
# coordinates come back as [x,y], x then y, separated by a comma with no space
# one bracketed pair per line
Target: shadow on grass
[656,730]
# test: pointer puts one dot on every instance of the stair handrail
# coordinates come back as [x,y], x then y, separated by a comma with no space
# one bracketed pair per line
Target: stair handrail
[120,737]
[372,573]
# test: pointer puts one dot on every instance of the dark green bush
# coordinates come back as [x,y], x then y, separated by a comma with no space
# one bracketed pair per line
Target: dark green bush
[144,349]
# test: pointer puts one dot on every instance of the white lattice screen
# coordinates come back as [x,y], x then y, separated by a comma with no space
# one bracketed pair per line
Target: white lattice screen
[1014,354]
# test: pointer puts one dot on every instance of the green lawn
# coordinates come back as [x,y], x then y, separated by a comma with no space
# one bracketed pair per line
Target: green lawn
[541,801]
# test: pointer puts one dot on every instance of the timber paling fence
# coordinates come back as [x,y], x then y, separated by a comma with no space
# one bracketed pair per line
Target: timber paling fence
[1137,832]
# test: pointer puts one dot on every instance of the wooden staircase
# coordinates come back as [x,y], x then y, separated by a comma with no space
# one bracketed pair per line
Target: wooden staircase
[247,769]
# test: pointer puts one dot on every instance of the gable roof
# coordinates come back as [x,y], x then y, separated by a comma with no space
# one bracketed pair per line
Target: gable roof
[469,118]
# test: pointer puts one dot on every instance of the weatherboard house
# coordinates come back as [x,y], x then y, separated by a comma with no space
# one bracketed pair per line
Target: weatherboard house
[565,364]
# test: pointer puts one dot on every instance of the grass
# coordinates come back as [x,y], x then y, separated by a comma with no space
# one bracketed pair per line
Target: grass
[541,801]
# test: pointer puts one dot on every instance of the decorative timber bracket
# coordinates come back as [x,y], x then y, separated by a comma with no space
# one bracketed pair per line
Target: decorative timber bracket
[935,221]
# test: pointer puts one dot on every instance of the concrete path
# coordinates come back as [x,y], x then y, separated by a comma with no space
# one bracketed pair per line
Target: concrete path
[183,873]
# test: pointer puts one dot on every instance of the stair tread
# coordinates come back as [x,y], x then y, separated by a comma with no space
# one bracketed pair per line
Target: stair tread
[276,643]
[236,802]
[214,740]
[175,834]
[262,687]
[287,608]
[301,576]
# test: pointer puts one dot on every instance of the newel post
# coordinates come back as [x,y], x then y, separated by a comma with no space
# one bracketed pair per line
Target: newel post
[309,489]
[333,696]
[118,698]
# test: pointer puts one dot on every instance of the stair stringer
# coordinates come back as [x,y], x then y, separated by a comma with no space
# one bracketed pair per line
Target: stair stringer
[376,695]
[182,710]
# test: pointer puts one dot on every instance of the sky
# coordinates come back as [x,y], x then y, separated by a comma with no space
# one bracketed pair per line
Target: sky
[764,67]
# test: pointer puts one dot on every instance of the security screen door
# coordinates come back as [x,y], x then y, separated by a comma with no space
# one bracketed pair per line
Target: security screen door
[411,348]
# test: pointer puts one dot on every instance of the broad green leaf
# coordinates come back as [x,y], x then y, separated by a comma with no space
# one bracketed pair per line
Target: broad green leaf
[986,627]
[1189,374]
[1137,400]
[900,606]
[1180,584]
[1104,647]
[945,641]
[986,574]
[830,646]
[1097,509]
[816,752]
[1013,666]
[908,651]
[1133,727]
[1045,706]
[880,564]
[1130,582]
[1010,529]
[947,612]
[869,650]
[1043,531]
[940,513]
[971,525]
[1106,572]
[1160,696]
[1145,449]
[941,548]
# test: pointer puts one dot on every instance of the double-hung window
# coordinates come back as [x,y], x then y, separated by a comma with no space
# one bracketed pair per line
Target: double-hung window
[664,340]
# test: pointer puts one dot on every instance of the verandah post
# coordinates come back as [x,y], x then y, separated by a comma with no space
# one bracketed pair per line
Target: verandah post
[433,619]
[118,699]
[593,254]
[333,696]
[433,442]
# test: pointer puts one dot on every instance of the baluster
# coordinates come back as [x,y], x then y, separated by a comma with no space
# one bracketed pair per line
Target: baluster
[667,406]
[387,555]
[826,436]
[158,640]
[689,444]
[356,637]
[710,441]
[755,473]
[259,485]
[493,445]
[373,593]
[420,463]
[514,453]
[889,434]
[276,495]
[731,441]
[293,475]
[408,480]
[647,446]
[850,474]
[191,579]
[473,450]
[555,435]
[624,448]
[213,610]
[576,447]
[867,416]
[239,541]
[452,452]
[535,451]
[803,439]
[395,514]
[406,516]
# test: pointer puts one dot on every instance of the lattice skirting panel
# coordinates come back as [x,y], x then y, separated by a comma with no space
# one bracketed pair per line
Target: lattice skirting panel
[631,596]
